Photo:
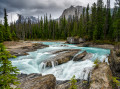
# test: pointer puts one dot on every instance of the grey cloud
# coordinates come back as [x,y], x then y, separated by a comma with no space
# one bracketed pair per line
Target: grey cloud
[38,7]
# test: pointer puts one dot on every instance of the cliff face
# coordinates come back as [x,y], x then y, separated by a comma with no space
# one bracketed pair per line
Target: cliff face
[114,61]
[72,11]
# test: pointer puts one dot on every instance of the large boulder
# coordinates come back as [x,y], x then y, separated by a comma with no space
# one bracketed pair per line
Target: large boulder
[37,81]
[83,56]
[101,77]
[81,40]
[75,40]
[72,40]
[62,57]
[80,56]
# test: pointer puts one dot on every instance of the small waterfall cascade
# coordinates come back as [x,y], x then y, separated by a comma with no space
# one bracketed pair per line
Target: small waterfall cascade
[35,62]
[53,65]
[77,55]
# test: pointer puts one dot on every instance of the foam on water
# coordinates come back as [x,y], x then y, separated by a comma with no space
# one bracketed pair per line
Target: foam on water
[33,63]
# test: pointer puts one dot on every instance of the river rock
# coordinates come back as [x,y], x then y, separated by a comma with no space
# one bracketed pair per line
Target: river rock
[74,40]
[37,81]
[80,56]
[88,56]
[62,57]
[101,77]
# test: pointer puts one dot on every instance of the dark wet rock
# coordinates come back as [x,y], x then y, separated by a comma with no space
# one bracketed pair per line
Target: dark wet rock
[80,56]
[88,56]
[101,77]
[62,57]
[37,81]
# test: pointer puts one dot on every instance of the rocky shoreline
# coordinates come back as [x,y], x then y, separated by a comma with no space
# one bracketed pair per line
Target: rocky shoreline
[21,48]
[104,46]
[101,77]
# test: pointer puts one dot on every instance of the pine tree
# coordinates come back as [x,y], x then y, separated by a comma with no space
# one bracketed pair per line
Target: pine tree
[80,27]
[7,34]
[87,19]
[8,73]
[1,33]
[93,29]
[100,20]
[1,36]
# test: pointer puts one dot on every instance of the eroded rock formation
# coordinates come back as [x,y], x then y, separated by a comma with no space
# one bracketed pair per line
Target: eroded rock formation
[62,57]
[101,77]
[37,81]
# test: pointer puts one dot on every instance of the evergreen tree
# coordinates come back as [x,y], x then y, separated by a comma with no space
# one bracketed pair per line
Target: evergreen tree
[93,29]
[8,73]
[7,34]
[100,20]
[87,18]
[1,33]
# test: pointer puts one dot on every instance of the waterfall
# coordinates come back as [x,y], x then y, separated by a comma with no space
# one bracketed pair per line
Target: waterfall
[35,62]
[42,67]
[53,65]
[77,55]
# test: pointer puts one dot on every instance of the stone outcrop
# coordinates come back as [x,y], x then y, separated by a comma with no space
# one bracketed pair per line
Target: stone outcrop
[81,84]
[80,56]
[114,62]
[37,81]
[83,56]
[88,56]
[101,77]
[74,40]
[62,57]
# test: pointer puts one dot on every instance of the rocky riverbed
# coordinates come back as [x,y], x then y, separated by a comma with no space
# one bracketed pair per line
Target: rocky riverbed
[99,78]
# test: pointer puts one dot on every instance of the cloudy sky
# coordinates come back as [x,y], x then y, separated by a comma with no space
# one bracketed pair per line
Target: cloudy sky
[40,7]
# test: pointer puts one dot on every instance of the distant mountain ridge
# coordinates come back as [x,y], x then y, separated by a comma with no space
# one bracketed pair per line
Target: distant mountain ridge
[68,13]
[27,19]
[72,11]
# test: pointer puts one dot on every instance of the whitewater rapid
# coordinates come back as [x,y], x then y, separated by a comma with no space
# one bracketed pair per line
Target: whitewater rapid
[33,63]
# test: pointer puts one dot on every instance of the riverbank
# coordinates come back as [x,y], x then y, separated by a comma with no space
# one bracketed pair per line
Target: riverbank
[48,61]
[20,48]
[91,44]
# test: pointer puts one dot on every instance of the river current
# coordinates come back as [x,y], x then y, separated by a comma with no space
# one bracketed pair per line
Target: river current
[33,63]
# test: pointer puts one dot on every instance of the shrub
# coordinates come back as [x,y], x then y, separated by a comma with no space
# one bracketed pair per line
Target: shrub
[73,83]
[115,81]
[97,62]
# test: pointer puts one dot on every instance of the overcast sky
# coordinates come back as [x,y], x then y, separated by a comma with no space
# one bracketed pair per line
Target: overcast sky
[40,7]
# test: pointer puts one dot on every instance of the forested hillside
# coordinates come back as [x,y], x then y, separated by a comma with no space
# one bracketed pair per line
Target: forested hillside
[99,25]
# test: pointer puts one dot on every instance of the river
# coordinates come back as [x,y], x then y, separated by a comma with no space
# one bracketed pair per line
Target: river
[33,63]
